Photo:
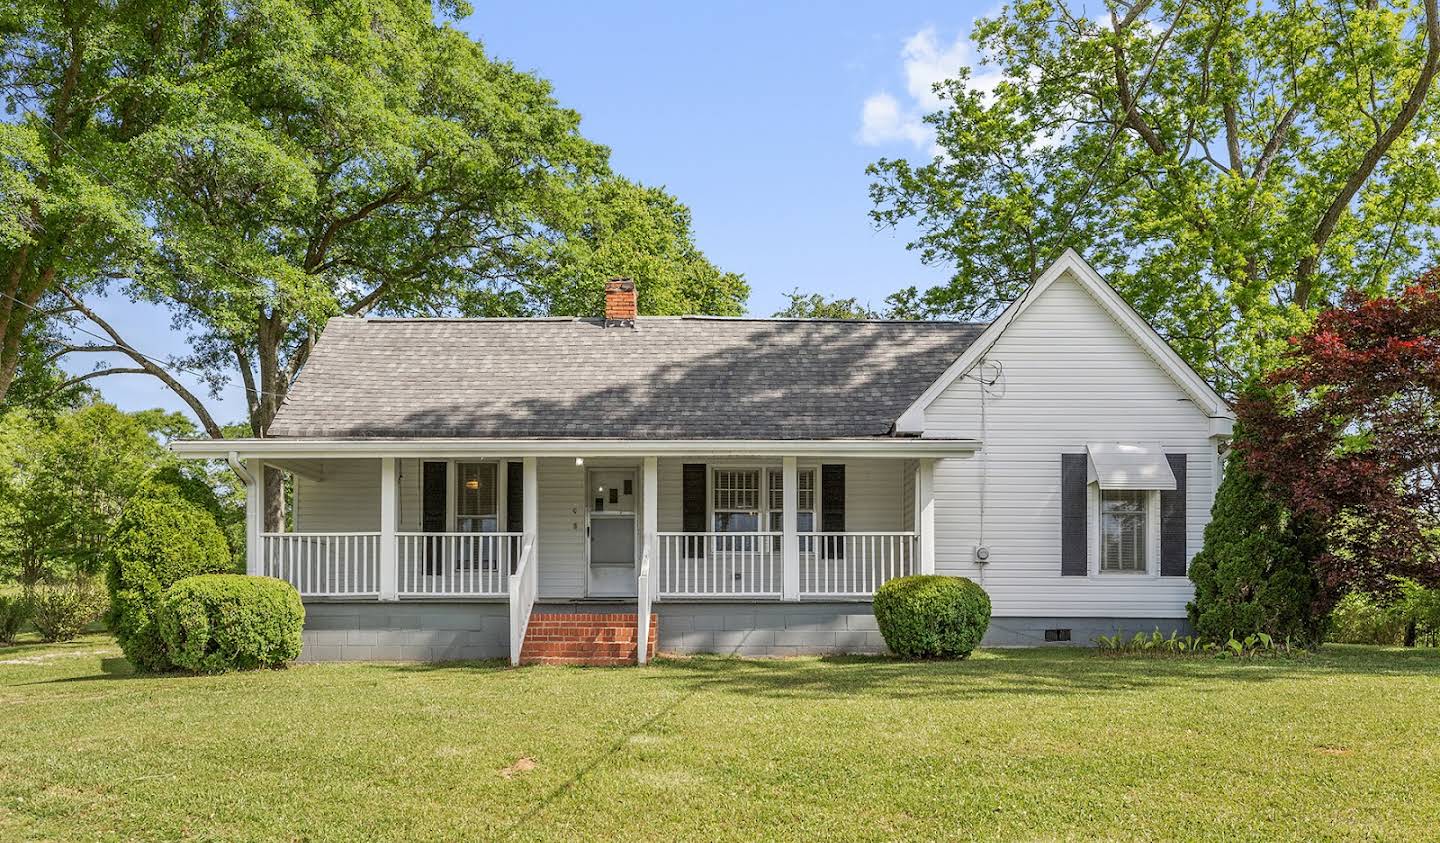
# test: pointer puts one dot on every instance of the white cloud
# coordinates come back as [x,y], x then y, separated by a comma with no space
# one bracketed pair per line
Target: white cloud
[925,61]
[883,121]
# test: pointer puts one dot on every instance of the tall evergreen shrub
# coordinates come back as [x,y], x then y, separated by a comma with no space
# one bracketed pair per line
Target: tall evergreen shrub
[1255,572]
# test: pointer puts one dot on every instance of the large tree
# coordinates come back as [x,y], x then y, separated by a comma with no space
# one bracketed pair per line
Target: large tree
[305,160]
[1231,166]
[1347,431]
[67,74]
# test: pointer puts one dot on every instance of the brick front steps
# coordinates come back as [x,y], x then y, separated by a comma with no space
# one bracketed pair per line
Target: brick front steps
[583,638]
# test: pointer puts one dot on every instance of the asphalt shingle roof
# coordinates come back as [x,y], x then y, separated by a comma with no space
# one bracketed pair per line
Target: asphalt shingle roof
[665,378]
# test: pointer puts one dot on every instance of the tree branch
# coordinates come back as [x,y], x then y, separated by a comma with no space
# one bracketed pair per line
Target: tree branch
[1305,271]
[148,366]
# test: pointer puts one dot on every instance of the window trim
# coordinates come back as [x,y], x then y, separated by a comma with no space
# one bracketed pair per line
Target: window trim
[764,469]
[453,496]
[1094,516]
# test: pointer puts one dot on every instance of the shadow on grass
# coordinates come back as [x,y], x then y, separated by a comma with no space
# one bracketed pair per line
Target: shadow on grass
[990,673]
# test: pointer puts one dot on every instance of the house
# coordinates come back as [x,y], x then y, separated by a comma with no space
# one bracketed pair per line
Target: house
[559,489]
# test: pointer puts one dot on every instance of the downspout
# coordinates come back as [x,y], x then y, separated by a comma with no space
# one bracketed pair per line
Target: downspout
[239,468]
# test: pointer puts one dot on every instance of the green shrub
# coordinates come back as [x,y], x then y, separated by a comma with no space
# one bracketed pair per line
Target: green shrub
[1359,618]
[159,540]
[220,622]
[1255,572]
[14,612]
[61,612]
[927,617]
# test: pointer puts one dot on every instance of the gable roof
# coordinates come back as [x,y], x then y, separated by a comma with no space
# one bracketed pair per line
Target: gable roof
[1206,399]
[665,378]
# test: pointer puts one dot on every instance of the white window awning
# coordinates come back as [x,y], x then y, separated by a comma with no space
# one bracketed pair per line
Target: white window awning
[1122,465]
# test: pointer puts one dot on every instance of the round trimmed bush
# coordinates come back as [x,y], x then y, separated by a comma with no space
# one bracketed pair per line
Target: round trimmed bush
[158,541]
[932,617]
[220,622]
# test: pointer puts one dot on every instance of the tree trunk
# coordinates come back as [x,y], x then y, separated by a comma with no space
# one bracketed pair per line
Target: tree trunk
[274,500]
[1410,634]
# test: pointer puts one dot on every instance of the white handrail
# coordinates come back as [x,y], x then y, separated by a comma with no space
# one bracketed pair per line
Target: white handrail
[522,597]
[455,564]
[853,565]
[726,565]
[644,596]
[323,564]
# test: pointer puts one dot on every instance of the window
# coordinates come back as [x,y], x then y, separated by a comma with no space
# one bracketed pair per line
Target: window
[736,500]
[1123,517]
[805,500]
[476,498]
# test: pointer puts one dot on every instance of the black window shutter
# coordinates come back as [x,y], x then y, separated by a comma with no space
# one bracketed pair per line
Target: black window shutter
[692,506]
[1172,521]
[832,498]
[832,509]
[1074,537]
[432,510]
[432,497]
[514,497]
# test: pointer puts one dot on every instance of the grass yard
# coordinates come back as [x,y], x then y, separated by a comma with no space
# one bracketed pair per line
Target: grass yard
[1012,744]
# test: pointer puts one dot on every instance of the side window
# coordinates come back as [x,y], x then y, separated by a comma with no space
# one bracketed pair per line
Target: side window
[1124,516]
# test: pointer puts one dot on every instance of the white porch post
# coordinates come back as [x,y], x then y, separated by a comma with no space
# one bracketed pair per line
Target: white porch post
[790,540]
[530,494]
[254,517]
[925,514]
[389,557]
[650,518]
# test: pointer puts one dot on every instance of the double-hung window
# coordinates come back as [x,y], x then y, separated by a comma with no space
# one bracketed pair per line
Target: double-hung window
[804,496]
[477,498]
[736,500]
[1124,517]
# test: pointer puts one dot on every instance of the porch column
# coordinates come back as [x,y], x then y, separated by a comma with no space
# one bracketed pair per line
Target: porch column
[790,541]
[650,517]
[925,515]
[389,558]
[254,517]
[530,494]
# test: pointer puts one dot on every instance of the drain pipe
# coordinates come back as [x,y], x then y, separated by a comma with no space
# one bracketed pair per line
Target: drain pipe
[239,468]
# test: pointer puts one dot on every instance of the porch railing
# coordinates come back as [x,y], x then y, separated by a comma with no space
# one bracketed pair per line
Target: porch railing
[456,564]
[523,587]
[645,594]
[324,564]
[853,564]
[720,565]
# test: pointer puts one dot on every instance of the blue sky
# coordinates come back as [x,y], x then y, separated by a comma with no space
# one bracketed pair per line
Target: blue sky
[760,117]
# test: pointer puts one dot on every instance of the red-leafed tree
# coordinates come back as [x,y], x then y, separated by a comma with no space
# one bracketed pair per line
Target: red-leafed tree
[1347,431]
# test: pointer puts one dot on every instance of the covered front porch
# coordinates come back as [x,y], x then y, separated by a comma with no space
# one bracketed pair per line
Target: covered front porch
[600,523]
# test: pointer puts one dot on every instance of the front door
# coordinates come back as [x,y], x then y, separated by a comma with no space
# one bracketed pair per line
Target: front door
[611,526]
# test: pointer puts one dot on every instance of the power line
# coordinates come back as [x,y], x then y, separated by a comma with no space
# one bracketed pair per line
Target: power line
[127,348]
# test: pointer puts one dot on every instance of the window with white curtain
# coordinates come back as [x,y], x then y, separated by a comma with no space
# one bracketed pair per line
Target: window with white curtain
[477,497]
[735,499]
[1123,520]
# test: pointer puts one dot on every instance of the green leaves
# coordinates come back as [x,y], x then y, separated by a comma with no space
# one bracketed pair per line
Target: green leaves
[1215,188]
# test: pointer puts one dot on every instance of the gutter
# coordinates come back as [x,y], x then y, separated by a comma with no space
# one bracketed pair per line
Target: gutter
[233,450]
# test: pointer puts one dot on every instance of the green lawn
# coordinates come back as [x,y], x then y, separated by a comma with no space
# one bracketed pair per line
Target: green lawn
[1011,744]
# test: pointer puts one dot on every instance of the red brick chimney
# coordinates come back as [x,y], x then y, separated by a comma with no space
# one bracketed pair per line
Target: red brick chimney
[619,300]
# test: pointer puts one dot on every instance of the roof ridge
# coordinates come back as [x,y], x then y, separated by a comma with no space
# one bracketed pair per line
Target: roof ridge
[693,317]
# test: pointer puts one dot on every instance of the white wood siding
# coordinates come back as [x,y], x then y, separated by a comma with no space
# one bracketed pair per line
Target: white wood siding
[1071,376]
[562,528]
[347,500]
